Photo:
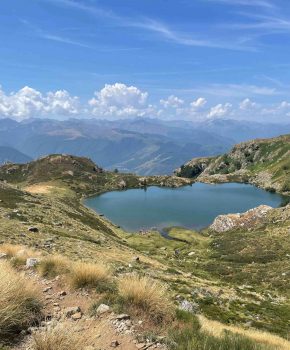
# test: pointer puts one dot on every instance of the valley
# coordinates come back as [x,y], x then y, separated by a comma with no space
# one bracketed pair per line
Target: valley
[236,278]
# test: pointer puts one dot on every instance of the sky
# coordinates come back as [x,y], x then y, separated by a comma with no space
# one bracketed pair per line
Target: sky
[182,60]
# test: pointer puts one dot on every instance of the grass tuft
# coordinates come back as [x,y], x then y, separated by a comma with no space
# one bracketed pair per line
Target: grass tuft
[146,295]
[19,302]
[85,275]
[59,337]
[52,266]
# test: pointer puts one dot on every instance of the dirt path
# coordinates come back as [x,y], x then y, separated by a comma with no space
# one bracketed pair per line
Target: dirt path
[71,310]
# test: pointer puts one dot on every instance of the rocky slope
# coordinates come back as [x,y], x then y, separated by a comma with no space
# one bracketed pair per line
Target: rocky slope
[263,162]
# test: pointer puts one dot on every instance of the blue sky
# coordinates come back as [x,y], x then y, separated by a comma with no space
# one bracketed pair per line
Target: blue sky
[232,54]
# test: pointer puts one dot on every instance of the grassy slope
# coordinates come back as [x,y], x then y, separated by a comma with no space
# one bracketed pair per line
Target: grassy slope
[240,277]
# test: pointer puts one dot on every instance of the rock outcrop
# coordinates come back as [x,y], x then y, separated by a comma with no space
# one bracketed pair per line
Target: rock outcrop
[250,218]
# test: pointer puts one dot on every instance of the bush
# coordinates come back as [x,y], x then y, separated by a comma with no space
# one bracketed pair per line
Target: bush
[52,266]
[19,302]
[58,338]
[146,296]
[85,275]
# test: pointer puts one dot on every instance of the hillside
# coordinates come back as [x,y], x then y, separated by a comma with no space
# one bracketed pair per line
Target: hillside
[79,174]
[263,162]
[9,154]
[193,287]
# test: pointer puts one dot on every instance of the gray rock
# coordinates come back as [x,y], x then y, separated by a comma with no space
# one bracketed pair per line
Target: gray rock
[31,262]
[102,309]
[122,184]
[186,305]
[115,343]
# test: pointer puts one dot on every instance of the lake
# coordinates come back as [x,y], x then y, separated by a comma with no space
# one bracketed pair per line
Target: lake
[193,206]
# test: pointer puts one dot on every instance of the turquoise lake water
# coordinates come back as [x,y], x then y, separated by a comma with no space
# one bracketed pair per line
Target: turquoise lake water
[193,206]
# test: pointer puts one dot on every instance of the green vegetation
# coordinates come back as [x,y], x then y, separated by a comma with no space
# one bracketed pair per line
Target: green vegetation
[189,335]
[263,162]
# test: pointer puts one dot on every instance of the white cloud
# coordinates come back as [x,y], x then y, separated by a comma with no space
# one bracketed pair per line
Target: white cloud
[172,102]
[122,101]
[219,110]
[28,102]
[119,100]
[247,104]
[199,103]
[60,102]
[284,105]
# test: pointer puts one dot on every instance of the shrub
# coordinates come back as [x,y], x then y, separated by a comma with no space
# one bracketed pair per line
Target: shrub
[146,295]
[60,338]
[91,276]
[54,265]
[19,302]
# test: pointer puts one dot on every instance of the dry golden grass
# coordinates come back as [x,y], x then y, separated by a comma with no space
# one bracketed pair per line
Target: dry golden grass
[86,275]
[147,296]
[217,329]
[13,250]
[39,188]
[62,337]
[18,253]
[19,301]
[54,265]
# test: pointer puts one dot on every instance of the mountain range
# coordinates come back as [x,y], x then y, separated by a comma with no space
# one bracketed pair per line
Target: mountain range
[143,146]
